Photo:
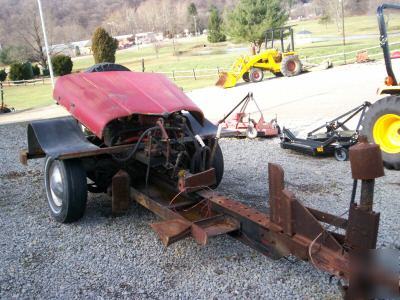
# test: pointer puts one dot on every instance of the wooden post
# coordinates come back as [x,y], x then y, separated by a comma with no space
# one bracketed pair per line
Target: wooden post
[173,75]
[143,68]
[2,95]
[194,74]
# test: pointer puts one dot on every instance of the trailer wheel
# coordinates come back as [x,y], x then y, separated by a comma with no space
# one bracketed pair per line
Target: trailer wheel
[66,189]
[291,66]
[246,77]
[251,132]
[341,154]
[256,75]
[218,165]
[381,125]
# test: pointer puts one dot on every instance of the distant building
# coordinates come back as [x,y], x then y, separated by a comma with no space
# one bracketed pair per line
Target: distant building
[125,41]
[85,47]
[148,37]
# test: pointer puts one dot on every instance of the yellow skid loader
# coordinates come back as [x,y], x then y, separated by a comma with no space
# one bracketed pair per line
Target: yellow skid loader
[250,68]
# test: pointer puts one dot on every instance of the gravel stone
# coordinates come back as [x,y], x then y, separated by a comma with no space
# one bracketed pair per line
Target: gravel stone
[102,257]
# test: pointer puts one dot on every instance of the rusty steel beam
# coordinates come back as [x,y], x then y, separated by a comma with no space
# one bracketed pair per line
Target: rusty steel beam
[290,228]
[120,192]
[328,218]
[188,182]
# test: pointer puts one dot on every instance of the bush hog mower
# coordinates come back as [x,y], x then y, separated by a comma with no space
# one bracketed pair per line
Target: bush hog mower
[242,125]
[283,62]
[335,141]
[145,141]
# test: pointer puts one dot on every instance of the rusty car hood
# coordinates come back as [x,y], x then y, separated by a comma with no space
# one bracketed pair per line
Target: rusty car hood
[95,99]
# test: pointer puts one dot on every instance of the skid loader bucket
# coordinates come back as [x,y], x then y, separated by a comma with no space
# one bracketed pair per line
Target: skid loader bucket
[226,80]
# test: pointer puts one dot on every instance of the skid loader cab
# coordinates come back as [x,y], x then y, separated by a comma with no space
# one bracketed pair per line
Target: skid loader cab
[280,39]
[391,86]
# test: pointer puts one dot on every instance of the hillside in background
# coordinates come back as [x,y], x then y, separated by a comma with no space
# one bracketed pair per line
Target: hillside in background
[71,20]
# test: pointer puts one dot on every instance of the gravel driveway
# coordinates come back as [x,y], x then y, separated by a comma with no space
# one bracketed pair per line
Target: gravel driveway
[102,257]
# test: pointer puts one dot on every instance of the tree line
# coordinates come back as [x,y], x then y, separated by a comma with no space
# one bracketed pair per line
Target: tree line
[21,38]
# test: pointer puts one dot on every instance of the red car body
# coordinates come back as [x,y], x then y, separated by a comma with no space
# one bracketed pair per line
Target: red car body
[95,99]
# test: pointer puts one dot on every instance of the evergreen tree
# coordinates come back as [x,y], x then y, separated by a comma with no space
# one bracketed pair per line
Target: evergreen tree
[192,10]
[192,17]
[104,46]
[214,27]
[251,18]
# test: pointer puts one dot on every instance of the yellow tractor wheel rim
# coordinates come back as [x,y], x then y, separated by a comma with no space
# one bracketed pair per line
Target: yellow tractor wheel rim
[386,133]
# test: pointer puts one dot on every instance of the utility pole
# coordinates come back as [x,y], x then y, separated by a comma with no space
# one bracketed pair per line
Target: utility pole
[343,32]
[46,43]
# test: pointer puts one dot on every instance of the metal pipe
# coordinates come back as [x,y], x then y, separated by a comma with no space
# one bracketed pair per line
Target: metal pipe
[46,43]
[343,32]
[367,194]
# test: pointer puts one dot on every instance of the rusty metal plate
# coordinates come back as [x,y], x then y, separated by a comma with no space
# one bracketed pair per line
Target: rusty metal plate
[194,182]
[172,231]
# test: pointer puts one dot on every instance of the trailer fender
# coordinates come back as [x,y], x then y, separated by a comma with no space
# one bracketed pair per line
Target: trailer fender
[55,137]
[207,130]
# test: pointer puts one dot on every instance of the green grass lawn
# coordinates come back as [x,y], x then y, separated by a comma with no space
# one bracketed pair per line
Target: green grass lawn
[199,54]
[22,97]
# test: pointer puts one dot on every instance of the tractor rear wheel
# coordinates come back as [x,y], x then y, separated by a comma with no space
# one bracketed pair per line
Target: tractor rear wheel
[256,75]
[246,77]
[381,125]
[291,66]
[66,189]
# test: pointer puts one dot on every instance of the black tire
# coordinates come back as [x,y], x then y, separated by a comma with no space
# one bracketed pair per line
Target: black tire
[106,67]
[341,154]
[387,105]
[218,165]
[246,77]
[291,66]
[66,189]
[277,74]
[256,75]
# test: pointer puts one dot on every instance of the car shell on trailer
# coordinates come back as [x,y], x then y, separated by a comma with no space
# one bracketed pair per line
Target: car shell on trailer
[185,200]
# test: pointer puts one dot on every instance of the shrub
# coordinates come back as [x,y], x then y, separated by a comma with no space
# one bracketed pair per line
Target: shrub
[45,72]
[104,46]
[36,70]
[27,71]
[62,64]
[16,72]
[3,75]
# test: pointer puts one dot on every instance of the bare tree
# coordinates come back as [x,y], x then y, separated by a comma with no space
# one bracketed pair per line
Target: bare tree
[29,31]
